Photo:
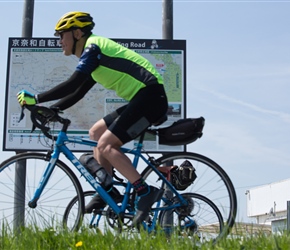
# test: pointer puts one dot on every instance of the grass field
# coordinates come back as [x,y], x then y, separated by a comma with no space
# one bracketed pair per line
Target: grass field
[31,239]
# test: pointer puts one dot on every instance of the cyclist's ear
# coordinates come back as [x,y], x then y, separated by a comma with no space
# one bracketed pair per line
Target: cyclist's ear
[78,34]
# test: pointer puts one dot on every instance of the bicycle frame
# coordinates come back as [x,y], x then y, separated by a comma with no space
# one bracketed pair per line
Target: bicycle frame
[60,147]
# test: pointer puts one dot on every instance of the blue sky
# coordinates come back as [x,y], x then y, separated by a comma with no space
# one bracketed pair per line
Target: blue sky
[238,71]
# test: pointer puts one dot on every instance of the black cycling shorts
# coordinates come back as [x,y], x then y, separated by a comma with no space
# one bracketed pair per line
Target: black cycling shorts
[147,107]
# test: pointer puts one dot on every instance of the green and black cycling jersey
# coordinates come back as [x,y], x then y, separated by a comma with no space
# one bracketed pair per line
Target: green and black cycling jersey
[116,67]
[110,64]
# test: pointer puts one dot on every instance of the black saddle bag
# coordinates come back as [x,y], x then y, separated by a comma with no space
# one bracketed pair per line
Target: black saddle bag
[181,132]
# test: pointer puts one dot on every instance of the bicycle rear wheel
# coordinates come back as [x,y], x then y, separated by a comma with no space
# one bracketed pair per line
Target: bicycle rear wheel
[200,219]
[16,192]
[212,182]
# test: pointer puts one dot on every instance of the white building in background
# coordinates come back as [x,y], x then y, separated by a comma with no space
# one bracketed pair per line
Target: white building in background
[268,204]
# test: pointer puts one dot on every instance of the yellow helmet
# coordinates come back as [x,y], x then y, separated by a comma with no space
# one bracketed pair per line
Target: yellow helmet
[74,20]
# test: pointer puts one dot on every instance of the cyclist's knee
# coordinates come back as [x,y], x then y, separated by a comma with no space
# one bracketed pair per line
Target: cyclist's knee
[93,134]
[103,148]
[97,130]
[107,143]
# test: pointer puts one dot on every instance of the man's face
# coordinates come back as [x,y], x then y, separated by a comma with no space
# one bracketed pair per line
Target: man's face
[66,41]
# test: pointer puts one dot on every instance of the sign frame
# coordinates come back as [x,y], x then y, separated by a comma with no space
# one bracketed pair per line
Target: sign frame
[154,48]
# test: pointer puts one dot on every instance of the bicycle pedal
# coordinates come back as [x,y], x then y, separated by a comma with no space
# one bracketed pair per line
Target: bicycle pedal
[147,219]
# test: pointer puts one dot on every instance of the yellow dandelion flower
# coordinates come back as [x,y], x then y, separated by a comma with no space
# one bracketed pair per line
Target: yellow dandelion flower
[79,244]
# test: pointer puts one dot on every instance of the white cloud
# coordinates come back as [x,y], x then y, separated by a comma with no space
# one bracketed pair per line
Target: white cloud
[285,117]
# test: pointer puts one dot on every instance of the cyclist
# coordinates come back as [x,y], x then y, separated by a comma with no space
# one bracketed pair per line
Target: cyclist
[132,77]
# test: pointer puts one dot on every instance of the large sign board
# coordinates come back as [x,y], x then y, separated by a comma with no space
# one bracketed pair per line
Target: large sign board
[37,64]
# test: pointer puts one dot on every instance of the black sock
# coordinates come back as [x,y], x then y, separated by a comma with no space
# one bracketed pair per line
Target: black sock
[141,187]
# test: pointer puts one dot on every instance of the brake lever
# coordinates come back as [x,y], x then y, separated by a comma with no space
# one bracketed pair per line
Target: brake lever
[21,114]
[33,128]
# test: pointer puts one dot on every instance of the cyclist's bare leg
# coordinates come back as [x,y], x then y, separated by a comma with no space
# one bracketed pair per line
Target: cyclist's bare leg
[98,203]
[108,154]
[95,133]
[108,151]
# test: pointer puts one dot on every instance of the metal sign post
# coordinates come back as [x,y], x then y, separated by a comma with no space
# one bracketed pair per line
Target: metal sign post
[20,174]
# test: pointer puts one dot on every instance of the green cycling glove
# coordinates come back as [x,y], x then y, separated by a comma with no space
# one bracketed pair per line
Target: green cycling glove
[26,98]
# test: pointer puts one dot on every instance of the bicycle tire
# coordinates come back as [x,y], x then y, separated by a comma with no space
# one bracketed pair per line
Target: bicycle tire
[72,209]
[211,182]
[59,190]
[206,222]
[101,220]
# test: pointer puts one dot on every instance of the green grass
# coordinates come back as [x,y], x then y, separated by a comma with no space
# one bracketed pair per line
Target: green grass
[85,239]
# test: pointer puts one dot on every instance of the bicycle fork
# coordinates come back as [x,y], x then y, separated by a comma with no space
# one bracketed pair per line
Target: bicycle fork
[49,169]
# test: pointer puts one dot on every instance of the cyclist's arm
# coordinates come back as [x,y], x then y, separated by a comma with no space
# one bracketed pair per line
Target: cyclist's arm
[74,97]
[78,84]
[65,88]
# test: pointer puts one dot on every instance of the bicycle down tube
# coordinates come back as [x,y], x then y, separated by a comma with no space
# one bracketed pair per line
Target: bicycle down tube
[60,147]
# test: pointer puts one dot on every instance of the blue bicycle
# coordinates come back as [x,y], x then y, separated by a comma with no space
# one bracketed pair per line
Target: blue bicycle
[52,197]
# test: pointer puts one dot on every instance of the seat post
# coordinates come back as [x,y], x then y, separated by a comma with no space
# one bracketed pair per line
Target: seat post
[140,141]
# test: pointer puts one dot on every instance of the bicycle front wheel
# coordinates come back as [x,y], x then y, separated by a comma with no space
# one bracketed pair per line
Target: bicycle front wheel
[19,178]
[96,219]
[212,182]
[103,220]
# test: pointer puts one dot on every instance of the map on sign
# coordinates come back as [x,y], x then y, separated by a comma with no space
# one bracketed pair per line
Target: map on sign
[38,64]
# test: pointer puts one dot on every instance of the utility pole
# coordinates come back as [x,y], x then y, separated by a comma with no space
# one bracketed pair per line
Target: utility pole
[27,24]
[167,33]
[167,26]
[20,173]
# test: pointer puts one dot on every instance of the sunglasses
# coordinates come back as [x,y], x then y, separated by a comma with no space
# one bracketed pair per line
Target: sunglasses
[62,33]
